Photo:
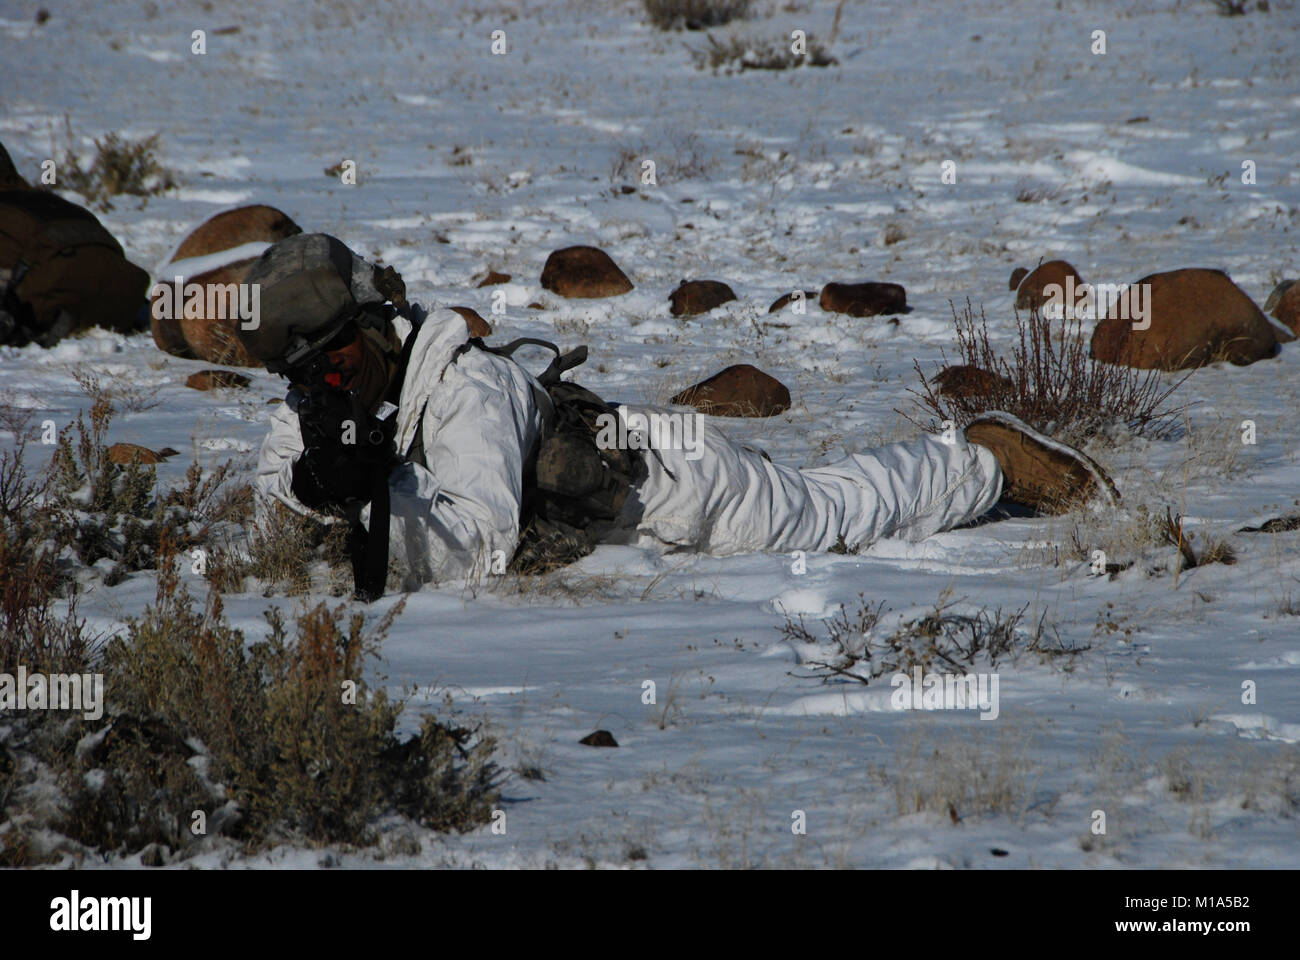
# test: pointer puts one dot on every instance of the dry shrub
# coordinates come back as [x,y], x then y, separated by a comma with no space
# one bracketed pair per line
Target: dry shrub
[738,54]
[280,740]
[285,551]
[104,510]
[120,166]
[678,154]
[941,640]
[33,632]
[1051,383]
[130,396]
[1137,536]
[1212,551]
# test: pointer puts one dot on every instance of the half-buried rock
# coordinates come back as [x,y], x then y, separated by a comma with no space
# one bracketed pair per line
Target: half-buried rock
[1017,275]
[584,272]
[963,381]
[788,298]
[199,322]
[1195,317]
[1284,303]
[216,379]
[478,327]
[133,452]
[699,296]
[231,228]
[864,299]
[10,178]
[739,391]
[1033,294]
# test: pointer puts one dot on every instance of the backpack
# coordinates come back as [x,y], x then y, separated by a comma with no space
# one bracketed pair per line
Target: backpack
[61,271]
[574,490]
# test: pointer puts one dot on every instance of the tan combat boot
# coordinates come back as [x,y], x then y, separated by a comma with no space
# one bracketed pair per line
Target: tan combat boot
[1037,471]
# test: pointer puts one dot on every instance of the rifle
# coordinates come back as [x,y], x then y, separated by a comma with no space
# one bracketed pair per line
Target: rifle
[338,421]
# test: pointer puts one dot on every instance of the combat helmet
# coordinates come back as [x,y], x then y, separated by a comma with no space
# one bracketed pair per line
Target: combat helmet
[310,287]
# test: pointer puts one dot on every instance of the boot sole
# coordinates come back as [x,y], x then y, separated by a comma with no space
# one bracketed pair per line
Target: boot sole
[1013,433]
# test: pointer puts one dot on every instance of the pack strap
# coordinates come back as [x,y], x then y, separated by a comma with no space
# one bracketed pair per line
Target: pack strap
[562,363]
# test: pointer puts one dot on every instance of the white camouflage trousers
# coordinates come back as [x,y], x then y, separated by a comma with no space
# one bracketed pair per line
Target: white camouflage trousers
[730,498]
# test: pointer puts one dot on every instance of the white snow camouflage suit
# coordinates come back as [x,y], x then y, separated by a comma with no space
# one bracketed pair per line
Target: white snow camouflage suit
[480,421]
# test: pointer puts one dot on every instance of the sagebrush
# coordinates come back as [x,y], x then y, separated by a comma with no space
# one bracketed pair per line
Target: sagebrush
[279,741]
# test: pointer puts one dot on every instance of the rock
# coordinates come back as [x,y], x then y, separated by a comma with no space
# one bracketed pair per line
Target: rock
[863,299]
[493,278]
[963,381]
[1044,275]
[212,379]
[129,452]
[599,738]
[585,272]
[1196,316]
[694,297]
[207,334]
[1017,275]
[168,337]
[1286,307]
[234,227]
[787,298]
[478,327]
[10,178]
[738,391]
[1276,296]
[212,338]
[535,306]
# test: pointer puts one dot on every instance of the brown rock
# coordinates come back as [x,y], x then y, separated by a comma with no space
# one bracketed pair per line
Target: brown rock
[233,227]
[128,452]
[599,738]
[1196,317]
[693,297]
[212,379]
[1287,307]
[535,306]
[206,331]
[1017,275]
[1031,288]
[863,299]
[1275,297]
[10,178]
[963,381]
[493,278]
[739,391]
[167,335]
[478,327]
[584,272]
[787,298]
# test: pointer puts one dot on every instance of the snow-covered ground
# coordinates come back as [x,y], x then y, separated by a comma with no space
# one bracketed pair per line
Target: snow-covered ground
[770,182]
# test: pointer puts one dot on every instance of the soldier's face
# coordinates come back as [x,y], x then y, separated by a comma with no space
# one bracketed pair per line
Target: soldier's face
[347,363]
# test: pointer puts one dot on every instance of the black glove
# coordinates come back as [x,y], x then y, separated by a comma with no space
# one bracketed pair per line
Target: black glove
[324,476]
[344,448]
